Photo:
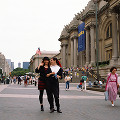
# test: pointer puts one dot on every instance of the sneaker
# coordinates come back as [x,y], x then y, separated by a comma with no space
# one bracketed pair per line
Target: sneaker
[52,110]
[113,105]
[42,108]
[59,111]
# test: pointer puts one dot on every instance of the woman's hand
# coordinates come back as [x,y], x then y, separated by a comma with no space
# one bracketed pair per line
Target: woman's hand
[50,74]
[41,64]
[47,75]
[53,73]
[58,76]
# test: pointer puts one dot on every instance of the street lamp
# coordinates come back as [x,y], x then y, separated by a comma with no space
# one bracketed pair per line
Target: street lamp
[97,42]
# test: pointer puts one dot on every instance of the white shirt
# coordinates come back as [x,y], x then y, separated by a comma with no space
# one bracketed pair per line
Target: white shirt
[100,82]
[67,78]
[55,68]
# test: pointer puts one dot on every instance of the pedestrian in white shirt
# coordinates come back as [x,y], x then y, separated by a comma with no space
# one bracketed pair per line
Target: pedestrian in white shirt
[67,81]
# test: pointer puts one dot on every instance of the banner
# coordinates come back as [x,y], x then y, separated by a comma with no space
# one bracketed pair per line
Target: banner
[81,37]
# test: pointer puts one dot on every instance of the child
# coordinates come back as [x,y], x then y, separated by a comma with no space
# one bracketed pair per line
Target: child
[67,81]
[80,85]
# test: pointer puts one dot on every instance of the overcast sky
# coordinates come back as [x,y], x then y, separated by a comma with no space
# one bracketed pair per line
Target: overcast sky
[26,25]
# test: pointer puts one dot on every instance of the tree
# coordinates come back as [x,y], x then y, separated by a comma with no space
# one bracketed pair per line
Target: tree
[19,72]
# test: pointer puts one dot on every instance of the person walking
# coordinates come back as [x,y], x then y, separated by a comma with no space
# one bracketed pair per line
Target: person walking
[84,78]
[19,80]
[67,81]
[14,79]
[25,80]
[112,85]
[54,74]
[42,69]
[75,74]
[71,76]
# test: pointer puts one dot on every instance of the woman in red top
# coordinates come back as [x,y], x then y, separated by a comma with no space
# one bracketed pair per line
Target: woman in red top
[42,69]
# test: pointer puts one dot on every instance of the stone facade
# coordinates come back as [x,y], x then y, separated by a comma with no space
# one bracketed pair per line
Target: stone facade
[108,35]
[6,69]
[37,59]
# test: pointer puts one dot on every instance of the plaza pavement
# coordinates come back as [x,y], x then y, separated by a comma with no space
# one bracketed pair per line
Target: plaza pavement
[21,103]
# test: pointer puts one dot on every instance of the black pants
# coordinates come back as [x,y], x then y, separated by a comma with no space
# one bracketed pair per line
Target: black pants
[19,82]
[41,96]
[53,93]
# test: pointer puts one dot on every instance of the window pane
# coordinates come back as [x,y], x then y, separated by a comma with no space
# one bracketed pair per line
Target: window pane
[107,34]
[111,30]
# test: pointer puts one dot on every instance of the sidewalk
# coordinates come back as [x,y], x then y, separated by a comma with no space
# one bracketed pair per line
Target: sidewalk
[2,87]
[21,103]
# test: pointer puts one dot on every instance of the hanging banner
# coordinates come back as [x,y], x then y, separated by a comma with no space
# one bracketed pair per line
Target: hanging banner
[81,37]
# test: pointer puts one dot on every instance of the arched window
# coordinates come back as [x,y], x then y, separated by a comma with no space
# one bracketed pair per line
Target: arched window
[109,31]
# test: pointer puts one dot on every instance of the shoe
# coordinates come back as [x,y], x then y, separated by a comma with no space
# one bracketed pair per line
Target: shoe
[113,105]
[42,108]
[59,111]
[52,110]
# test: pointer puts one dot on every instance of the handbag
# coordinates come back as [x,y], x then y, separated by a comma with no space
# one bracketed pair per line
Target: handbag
[106,95]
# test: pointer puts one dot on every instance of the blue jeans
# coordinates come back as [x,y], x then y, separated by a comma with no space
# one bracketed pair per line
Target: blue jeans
[67,85]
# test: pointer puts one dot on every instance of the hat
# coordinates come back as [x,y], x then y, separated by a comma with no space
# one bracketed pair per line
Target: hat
[45,58]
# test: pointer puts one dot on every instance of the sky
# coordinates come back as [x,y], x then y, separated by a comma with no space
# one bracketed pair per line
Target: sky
[26,25]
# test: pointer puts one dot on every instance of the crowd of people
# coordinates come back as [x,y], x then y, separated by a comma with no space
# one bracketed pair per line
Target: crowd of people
[112,85]
[26,80]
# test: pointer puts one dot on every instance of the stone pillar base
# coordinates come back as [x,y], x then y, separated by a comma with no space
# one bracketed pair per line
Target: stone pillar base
[87,64]
[119,61]
[92,63]
[75,66]
[113,62]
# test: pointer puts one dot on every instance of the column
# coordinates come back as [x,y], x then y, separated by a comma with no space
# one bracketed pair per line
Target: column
[67,63]
[87,47]
[72,49]
[119,33]
[64,56]
[119,37]
[92,32]
[114,37]
[75,52]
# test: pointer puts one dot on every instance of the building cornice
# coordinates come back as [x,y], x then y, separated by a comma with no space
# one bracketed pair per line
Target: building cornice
[73,28]
[74,37]
[105,7]
[63,37]
[88,14]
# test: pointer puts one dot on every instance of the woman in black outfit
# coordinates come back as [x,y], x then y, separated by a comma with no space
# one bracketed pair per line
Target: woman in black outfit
[42,69]
[54,73]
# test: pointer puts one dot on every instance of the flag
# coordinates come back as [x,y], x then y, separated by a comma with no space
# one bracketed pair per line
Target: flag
[38,51]
[81,37]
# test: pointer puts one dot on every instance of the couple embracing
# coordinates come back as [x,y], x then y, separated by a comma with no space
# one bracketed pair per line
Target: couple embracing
[50,71]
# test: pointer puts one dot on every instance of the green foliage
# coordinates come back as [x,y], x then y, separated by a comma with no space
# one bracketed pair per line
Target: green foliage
[104,63]
[19,71]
